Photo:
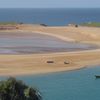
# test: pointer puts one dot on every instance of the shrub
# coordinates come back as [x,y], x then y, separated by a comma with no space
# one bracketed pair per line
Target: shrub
[13,89]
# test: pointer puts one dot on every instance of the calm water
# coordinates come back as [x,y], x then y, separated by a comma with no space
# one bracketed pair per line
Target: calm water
[15,43]
[50,16]
[73,85]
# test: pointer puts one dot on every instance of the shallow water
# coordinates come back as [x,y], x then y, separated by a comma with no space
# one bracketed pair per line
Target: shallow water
[72,85]
[36,43]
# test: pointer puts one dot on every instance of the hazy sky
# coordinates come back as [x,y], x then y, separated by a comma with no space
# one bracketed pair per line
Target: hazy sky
[49,3]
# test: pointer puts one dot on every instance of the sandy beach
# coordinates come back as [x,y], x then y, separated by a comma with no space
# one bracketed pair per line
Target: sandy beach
[37,63]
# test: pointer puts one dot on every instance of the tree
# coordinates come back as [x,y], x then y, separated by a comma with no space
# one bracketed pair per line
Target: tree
[13,89]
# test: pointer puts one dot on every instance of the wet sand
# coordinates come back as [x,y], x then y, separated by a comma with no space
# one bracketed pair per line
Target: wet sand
[37,63]
[31,42]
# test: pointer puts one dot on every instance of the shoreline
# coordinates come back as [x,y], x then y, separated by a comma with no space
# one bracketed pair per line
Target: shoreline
[34,64]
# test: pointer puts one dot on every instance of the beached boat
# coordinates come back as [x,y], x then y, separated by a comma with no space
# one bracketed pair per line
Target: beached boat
[97,76]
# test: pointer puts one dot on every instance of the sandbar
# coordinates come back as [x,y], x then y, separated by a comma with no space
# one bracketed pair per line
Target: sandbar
[30,64]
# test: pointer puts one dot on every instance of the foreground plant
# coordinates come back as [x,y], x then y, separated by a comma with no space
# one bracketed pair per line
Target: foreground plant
[13,89]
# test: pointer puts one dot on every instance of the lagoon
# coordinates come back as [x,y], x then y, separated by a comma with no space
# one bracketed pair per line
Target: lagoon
[72,85]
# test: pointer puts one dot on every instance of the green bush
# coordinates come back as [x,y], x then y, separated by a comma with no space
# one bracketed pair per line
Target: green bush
[13,89]
[91,24]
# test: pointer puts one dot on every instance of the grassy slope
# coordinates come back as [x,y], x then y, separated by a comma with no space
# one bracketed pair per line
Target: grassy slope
[91,24]
[8,23]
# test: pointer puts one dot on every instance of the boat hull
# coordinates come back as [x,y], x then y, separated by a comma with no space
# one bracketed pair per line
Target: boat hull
[97,76]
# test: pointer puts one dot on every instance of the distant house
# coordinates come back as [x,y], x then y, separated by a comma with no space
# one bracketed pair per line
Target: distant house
[73,25]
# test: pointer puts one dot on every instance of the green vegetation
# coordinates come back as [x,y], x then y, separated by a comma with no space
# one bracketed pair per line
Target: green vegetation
[8,23]
[13,89]
[91,24]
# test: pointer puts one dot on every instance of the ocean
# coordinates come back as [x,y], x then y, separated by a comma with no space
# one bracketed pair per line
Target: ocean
[52,17]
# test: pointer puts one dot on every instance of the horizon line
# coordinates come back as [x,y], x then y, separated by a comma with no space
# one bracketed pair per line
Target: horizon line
[50,7]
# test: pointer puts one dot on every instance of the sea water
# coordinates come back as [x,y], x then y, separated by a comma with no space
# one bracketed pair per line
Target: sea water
[54,16]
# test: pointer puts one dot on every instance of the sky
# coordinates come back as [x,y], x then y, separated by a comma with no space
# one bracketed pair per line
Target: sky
[49,3]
